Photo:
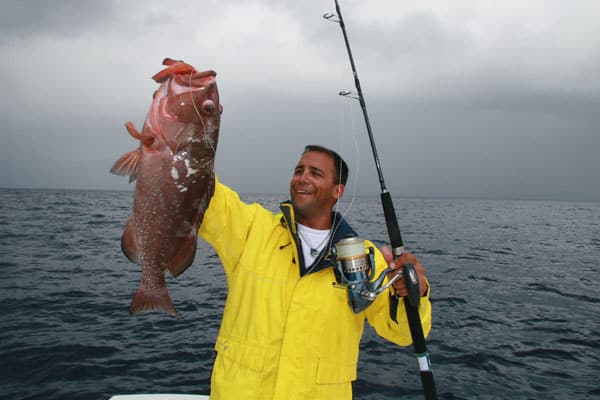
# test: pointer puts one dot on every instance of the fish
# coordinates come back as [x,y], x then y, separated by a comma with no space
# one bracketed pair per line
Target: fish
[173,170]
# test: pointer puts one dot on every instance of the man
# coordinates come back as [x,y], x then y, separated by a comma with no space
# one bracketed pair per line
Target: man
[288,332]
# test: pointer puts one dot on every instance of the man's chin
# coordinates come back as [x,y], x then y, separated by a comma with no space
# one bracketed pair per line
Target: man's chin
[300,207]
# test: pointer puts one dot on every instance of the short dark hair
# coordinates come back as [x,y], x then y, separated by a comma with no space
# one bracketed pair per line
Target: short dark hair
[341,168]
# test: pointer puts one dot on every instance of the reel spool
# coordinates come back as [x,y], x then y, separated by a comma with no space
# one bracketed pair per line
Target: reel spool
[355,270]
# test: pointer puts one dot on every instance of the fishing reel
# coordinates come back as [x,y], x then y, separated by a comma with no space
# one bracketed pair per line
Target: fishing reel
[355,269]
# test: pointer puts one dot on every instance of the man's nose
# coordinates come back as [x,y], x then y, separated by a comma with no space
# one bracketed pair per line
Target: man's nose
[304,177]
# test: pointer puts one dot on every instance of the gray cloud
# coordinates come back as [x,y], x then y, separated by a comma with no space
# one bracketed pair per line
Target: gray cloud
[466,98]
[21,19]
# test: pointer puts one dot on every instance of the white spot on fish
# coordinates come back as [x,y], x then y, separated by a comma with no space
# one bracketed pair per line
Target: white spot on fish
[181,156]
[190,171]
[174,173]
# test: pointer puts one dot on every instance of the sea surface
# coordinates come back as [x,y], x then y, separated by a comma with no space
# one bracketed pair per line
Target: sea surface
[515,294]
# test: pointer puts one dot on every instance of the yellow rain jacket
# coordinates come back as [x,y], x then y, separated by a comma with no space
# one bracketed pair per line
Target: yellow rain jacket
[285,335]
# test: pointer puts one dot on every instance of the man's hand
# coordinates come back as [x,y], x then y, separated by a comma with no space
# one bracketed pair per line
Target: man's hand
[396,264]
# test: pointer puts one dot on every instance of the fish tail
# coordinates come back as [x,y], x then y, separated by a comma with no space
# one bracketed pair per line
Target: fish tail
[147,300]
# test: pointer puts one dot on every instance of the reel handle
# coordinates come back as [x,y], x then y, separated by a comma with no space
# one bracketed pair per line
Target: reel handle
[412,285]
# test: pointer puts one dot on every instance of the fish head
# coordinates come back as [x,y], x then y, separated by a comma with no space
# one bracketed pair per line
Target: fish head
[192,97]
[185,110]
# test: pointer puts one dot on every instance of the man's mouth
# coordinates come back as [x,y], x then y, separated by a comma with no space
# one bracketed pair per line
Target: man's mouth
[299,191]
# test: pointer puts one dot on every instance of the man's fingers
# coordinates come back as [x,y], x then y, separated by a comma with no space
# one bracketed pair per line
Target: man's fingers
[387,254]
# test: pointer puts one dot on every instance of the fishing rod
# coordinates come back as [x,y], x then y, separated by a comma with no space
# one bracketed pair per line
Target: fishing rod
[411,302]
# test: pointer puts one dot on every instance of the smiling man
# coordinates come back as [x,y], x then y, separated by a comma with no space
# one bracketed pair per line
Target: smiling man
[288,332]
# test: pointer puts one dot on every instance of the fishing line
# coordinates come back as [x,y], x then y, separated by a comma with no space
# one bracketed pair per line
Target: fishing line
[219,230]
[206,136]
[228,248]
[342,213]
[354,181]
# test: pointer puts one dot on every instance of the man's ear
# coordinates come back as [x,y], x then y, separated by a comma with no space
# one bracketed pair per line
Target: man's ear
[339,191]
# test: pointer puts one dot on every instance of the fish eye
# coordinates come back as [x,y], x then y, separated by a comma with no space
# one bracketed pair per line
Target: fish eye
[208,106]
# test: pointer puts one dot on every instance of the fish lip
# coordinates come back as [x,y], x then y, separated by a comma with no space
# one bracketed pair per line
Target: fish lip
[187,79]
[202,74]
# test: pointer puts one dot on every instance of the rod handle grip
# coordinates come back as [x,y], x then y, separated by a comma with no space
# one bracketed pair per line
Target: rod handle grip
[391,222]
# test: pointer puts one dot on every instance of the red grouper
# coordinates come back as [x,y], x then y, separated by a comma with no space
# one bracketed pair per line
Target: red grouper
[174,169]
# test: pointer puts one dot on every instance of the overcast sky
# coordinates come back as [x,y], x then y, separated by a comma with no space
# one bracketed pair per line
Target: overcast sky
[466,98]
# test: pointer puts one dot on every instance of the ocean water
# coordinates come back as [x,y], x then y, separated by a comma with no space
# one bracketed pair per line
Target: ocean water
[515,294]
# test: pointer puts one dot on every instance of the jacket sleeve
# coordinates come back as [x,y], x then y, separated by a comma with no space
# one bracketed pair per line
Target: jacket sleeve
[226,224]
[388,316]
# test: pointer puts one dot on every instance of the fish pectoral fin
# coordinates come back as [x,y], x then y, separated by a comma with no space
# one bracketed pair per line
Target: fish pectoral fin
[129,244]
[127,165]
[184,256]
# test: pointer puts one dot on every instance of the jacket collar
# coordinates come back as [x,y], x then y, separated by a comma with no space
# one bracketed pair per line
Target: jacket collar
[341,229]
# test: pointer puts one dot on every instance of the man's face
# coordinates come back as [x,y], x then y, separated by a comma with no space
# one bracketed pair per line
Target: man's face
[313,188]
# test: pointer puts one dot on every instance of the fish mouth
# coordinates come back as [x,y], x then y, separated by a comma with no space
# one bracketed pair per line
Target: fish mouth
[197,79]
[202,74]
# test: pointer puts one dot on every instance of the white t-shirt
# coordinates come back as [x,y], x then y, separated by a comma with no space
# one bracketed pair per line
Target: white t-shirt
[313,241]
